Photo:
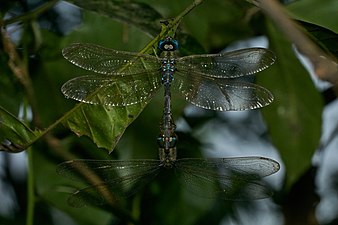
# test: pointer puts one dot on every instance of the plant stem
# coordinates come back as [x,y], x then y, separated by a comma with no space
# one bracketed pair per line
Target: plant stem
[172,24]
[188,10]
[31,14]
[30,190]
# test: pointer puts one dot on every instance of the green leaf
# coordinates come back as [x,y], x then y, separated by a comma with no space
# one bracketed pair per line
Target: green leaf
[15,136]
[104,125]
[137,14]
[217,24]
[294,118]
[327,39]
[317,12]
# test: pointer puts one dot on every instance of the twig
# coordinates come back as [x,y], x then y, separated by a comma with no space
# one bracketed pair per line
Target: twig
[31,14]
[325,66]
[20,71]
[55,145]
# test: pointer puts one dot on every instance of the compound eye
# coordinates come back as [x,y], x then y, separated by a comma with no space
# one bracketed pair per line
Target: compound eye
[161,141]
[173,141]
[168,47]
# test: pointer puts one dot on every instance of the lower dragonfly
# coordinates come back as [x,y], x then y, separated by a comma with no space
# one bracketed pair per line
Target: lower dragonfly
[125,78]
[237,178]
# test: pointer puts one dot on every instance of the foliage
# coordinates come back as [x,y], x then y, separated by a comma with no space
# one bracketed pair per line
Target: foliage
[33,70]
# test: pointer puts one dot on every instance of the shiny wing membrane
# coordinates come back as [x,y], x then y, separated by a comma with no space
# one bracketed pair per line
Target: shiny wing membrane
[221,94]
[114,179]
[201,79]
[110,90]
[228,178]
[109,61]
[227,65]
[113,91]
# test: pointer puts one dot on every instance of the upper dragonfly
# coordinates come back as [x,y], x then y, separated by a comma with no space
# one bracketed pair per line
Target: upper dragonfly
[126,78]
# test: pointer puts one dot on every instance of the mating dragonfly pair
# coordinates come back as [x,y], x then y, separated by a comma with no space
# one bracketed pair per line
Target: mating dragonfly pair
[126,78]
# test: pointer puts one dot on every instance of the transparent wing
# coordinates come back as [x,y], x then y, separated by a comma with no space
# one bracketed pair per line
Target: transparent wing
[105,169]
[114,179]
[110,91]
[227,65]
[220,94]
[109,61]
[228,178]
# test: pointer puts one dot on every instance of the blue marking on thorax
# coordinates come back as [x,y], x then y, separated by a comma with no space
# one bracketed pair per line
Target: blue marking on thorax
[167,46]
[168,69]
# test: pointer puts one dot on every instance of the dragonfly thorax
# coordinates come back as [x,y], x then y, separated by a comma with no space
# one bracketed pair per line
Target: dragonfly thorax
[168,69]
[167,142]
[167,157]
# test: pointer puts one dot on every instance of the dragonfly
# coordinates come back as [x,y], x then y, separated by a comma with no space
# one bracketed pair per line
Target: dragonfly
[208,81]
[237,178]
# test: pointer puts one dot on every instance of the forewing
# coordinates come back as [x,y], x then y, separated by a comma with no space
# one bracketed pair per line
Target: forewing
[220,94]
[110,180]
[109,61]
[112,91]
[227,65]
[229,178]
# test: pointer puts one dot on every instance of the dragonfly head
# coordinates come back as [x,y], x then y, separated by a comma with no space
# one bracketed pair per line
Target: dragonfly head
[168,44]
